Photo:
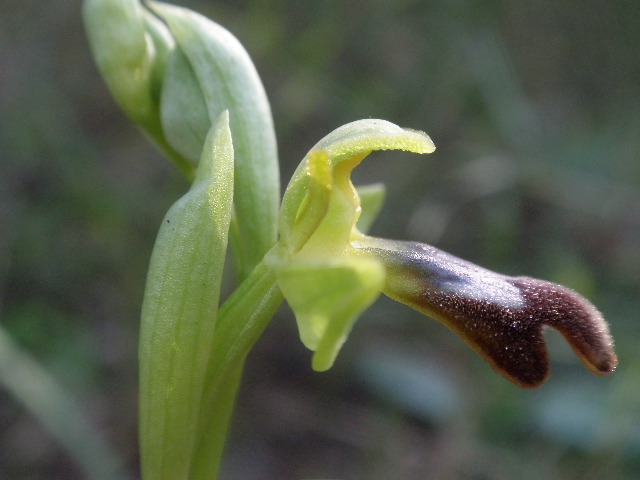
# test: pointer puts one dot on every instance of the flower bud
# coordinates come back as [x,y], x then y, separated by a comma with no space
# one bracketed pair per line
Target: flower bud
[215,73]
[174,72]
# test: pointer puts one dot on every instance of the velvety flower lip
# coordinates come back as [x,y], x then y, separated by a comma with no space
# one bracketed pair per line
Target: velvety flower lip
[502,318]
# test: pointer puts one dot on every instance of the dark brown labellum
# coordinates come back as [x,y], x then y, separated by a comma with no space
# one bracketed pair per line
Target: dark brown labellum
[500,317]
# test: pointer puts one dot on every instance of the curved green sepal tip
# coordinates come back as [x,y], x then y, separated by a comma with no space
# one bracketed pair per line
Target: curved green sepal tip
[344,149]
[372,134]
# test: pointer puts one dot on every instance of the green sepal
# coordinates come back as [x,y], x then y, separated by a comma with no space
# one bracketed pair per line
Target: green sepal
[345,148]
[179,311]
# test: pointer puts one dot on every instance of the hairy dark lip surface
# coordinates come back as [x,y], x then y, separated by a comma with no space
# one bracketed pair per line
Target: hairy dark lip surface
[502,318]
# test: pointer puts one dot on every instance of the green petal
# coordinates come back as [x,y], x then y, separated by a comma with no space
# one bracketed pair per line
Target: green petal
[327,298]
[371,200]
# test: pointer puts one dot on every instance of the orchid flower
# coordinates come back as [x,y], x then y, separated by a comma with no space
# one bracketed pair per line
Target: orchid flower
[329,272]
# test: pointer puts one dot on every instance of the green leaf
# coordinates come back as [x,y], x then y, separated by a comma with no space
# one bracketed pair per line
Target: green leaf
[180,309]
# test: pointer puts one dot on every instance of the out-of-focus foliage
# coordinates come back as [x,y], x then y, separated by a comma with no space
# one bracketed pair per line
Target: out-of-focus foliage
[534,109]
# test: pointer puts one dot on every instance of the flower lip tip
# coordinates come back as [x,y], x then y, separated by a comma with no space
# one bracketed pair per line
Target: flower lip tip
[319,368]
[525,376]
[531,384]
[607,366]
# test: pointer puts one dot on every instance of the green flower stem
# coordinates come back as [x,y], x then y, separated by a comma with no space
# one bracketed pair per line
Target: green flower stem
[210,449]
[241,321]
[242,318]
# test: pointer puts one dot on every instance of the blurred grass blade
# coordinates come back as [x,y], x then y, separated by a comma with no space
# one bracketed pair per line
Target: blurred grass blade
[45,399]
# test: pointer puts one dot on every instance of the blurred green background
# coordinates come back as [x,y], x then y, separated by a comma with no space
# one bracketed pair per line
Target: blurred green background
[535,110]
